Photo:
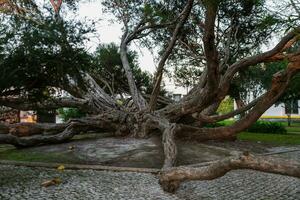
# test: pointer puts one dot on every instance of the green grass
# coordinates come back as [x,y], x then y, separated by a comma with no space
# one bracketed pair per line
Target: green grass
[282,139]
[293,130]
[293,124]
[292,137]
[32,156]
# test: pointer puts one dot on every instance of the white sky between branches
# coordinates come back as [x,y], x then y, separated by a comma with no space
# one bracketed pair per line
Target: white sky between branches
[111,32]
[108,32]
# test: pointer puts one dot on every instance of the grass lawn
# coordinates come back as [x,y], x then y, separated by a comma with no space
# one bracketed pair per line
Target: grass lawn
[293,130]
[292,137]
[282,139]
[33,156]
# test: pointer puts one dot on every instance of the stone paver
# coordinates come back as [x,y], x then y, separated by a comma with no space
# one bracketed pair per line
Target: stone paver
[22,183]
[243,184]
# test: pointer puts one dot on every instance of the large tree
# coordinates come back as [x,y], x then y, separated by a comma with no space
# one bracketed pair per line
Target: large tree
[212,29]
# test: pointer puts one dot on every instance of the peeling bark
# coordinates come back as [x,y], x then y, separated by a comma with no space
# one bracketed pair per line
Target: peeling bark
[169,145]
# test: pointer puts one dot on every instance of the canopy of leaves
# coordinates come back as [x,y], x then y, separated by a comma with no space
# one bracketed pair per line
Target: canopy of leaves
[37,54]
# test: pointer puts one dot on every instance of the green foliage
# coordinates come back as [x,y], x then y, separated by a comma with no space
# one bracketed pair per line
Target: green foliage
[186,76]
[37,54]
[243,26]
[220,124]
[108,65]
[69,113]
[267,127]
[226,106]
[108,71]
[280,139]
[258,79]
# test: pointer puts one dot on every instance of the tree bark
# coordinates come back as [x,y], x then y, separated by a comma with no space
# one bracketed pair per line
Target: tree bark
[26,104]
[159,72]
[169,145]
[137,97]
[170,179]
[31,134]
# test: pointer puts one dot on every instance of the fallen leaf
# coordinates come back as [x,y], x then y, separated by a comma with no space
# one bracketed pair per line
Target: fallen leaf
[72,147]
[61,168]
[54,181]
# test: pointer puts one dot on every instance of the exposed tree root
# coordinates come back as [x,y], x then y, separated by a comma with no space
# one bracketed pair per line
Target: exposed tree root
[170,149]
[170,179]
[29,134]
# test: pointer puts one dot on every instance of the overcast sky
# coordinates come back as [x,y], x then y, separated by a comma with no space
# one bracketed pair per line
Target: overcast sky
[109,32]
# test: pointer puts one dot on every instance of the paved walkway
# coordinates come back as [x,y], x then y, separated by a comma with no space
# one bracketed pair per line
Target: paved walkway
[22,183]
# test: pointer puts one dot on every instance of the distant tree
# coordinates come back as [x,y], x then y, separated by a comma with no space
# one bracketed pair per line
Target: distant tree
[41,54]
[108,71]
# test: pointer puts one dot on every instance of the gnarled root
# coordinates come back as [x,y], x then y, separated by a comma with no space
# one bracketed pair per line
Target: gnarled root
[169,145]
[30,134]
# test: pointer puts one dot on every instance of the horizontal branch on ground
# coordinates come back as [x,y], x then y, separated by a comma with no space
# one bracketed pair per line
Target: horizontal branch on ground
[170,179]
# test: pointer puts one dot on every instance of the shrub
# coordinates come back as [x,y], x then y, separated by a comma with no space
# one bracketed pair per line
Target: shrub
[214,125]
[267,127]
[220,124]
[68,113]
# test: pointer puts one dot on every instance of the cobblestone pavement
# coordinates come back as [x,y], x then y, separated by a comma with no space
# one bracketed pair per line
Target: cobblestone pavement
[22,183]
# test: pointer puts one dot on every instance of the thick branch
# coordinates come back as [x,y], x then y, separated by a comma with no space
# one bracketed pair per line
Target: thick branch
[97,97]
[279,84]
[256,59]
[216,118]
[30,134]
[48,104]
[159,73]
[171,179]
[135,93]
[210,49]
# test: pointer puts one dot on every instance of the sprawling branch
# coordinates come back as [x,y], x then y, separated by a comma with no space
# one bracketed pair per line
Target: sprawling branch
[170,179]
[141,28]
[210,49]
[284,43]
[30,134]
[280,82]
[89,89]
[159,73]
[96,95]
[201,97]
[48,104]
[216,118]
[136,94]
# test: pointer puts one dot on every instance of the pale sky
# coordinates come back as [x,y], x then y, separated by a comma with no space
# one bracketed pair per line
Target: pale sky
[111,32]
